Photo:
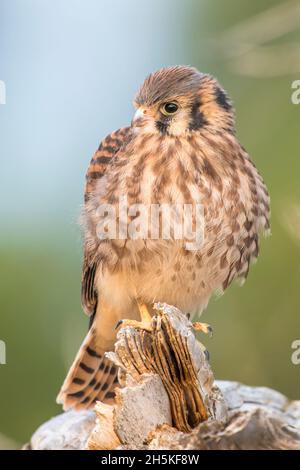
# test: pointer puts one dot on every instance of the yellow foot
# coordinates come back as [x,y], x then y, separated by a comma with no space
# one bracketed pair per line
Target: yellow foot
[144,324]
[204,327]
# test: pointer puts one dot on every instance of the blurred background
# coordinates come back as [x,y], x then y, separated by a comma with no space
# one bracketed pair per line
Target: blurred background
[71,69]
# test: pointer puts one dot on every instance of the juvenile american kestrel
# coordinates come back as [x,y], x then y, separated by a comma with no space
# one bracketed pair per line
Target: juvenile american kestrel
[181,148]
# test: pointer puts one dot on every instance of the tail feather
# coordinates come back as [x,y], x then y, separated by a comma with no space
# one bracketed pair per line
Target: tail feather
[103,384]
[91,377]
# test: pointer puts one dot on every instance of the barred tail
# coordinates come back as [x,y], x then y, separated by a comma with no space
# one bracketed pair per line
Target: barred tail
[91,377]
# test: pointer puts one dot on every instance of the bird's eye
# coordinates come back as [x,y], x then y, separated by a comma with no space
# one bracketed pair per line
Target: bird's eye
[169,108]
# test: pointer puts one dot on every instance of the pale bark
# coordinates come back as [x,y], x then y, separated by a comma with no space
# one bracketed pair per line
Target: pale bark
[168,399]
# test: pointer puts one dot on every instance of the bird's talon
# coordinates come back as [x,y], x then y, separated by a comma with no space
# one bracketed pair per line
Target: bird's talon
[144,324]
[119,323]
[204,327]
[135,324]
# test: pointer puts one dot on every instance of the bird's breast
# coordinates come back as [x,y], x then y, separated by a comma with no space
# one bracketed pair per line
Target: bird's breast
[221,185]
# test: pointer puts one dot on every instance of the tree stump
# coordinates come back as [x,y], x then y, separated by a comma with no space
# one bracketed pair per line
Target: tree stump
[168,399]
[165,378]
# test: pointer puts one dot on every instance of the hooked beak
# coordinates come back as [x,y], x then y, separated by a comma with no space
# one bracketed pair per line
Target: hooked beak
[138,118]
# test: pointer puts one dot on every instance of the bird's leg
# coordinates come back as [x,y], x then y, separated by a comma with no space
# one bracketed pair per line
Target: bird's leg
[204,327]
[144,324]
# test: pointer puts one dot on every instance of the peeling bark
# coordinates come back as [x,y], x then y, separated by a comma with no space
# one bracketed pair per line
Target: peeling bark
[168,399]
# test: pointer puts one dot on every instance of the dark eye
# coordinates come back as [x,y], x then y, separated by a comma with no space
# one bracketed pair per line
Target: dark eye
[169,108]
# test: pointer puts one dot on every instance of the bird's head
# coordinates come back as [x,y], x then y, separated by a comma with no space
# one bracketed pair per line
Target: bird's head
[180,100]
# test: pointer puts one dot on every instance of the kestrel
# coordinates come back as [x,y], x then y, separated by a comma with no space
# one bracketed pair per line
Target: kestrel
[181,148]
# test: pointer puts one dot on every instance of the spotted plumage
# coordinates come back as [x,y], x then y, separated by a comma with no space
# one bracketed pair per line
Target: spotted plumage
[181,147]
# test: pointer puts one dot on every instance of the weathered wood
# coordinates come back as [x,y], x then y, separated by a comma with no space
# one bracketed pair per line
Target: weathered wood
[250,412]
[166,380]
[168,388]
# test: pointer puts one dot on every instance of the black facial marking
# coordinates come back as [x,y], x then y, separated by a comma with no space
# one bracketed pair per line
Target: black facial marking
[197,118]
[162,126]
[222,99]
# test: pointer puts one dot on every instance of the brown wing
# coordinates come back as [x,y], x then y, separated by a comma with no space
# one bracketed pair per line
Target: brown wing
[107,149]
[102,158]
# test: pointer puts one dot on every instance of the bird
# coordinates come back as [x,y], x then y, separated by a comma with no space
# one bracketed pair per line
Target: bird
[181,148]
